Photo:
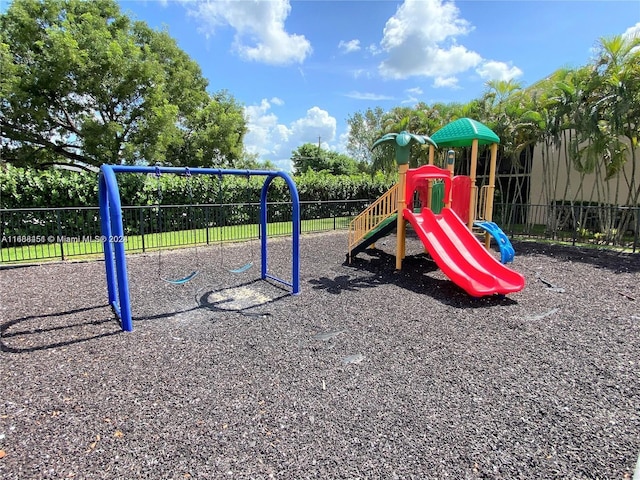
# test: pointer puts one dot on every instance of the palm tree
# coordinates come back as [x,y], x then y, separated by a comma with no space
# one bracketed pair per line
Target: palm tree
[583,114]
[502,108]
[617,113]
[618,108]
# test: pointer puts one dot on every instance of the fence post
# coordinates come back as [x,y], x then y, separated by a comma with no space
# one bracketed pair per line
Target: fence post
[60,237]
[576,224]
[142,228]
[635,230]
[206,223]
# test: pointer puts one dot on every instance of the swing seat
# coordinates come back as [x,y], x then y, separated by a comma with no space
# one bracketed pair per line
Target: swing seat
[243,268]
[180,281]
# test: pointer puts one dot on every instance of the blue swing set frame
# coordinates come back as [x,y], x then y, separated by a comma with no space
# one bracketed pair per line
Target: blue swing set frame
[112,229]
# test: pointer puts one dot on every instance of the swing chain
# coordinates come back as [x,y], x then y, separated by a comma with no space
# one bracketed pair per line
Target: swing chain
[157,174]
[159,219]
[250,210]
[187,174]
[222,224]
[189,277]
[221,220]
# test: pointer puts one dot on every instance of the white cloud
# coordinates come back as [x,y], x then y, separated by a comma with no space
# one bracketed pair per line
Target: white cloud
[374,49]
[275,141]
[420,39]
[350,46]
[317,123]
[260,33]
[367,96]
[448,82]
[361,73]
[493,70]
[277,101]
[261,128]
[412,95]
[633,31]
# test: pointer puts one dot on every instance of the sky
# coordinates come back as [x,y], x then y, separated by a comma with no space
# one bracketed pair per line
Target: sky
[301,68]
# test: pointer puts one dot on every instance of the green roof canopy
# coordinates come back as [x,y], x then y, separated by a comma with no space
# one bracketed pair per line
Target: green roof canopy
[462,132]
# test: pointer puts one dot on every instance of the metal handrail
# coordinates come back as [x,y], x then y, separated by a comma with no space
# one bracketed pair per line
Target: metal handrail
[481,205]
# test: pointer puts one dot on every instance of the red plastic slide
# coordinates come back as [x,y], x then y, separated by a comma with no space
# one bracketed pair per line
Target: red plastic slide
[461,256]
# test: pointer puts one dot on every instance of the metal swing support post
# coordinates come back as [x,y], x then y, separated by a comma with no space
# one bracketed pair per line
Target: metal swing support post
[113,232]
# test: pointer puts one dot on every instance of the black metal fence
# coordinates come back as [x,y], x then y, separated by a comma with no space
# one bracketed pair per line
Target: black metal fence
[605,225]
[62,233]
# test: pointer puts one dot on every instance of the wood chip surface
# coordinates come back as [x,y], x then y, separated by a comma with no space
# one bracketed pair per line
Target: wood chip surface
[223,378]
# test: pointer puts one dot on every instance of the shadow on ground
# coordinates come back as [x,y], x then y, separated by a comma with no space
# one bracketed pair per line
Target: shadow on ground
[617,262]
[414,277]
[17,337]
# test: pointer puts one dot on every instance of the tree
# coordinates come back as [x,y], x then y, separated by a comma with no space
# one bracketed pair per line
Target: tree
[310,157]
[422,119]
[342,164]
[364,129]
[614,115]
[617,105]
[82,85]
[212,136]
[251,161]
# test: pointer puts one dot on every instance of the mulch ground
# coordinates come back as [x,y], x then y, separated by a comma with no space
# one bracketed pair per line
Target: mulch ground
[368,373]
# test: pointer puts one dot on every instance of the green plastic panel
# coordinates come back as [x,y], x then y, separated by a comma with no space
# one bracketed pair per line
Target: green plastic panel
[437,197]
[383,224]
[462,132]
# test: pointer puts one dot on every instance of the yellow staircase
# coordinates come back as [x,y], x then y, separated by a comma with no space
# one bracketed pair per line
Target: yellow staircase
[373,216]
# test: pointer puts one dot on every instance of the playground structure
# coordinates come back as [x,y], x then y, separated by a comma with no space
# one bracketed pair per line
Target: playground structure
[113,232]
[450,209]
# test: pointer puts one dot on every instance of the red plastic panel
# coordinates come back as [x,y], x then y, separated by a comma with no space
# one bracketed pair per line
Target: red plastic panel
[460,196]
[418,176]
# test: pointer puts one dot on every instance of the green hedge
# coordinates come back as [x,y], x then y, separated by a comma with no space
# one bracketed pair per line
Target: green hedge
[26,188]
[325,196]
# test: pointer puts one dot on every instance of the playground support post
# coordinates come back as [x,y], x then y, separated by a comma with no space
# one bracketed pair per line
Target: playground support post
[451,159]
[402,204]
[488,213]
[295,235]
[432,151]
[114,254]
[474,189]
